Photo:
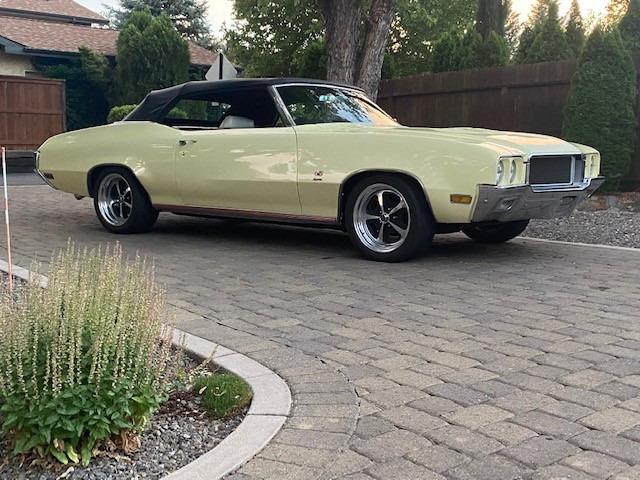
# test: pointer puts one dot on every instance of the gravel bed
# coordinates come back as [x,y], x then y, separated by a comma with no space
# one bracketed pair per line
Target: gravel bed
[607,227]
[178,433]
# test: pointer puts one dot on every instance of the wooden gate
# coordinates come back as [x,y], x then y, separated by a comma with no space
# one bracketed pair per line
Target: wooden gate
[31,110]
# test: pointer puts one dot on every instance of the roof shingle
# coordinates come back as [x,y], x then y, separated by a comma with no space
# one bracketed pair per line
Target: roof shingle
[67,8]
[68,38]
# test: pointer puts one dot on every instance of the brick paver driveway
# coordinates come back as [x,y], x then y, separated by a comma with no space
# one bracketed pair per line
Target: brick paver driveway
[476,362]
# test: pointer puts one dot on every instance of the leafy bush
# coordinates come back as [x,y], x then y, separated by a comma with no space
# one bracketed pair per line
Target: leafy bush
[87,85]
[600,109]
[465,52]
[82,360]
[118,112]
[223,394]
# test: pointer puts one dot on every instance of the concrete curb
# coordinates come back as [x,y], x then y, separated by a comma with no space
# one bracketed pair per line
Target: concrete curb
[269,409]
[578,244]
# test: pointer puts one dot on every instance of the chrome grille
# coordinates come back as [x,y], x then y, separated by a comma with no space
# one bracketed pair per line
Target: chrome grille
[556,169]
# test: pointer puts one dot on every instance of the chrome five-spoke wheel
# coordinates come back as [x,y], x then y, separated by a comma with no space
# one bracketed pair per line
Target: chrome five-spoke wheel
[387,217]
[382,218]
[121,202]
[115,199]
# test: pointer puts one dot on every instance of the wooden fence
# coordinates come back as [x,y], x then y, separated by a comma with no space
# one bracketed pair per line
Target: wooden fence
[31,110]
[527,98]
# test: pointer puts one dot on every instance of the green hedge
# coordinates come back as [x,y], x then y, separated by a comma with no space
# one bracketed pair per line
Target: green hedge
[600,109]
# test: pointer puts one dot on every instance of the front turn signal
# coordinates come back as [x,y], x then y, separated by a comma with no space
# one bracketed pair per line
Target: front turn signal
[463,199]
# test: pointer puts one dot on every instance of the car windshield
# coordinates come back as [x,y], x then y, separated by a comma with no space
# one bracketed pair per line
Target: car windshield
[318,104]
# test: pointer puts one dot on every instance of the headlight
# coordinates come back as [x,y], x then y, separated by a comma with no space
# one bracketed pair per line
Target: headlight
[513,171]
[500,172]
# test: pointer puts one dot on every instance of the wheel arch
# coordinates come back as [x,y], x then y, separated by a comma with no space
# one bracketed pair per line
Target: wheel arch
[94,173]
[351,180]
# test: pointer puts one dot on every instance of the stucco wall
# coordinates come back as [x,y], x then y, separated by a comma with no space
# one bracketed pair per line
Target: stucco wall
[14,64]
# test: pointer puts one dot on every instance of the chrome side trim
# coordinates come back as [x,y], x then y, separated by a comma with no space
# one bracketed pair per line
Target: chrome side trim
[246,214]
[506,204]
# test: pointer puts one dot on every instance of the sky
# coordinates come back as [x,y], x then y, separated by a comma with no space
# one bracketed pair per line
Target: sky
[220,11]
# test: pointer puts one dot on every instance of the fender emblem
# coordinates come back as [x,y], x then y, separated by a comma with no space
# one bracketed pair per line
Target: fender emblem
[317,175]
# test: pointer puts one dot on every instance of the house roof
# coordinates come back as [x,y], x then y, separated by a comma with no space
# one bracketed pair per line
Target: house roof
[37,36]
[55,9]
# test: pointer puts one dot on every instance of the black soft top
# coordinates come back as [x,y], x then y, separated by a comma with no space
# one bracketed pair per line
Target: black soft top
[158,102]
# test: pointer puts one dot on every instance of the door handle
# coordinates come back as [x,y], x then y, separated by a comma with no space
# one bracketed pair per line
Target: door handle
[183,143]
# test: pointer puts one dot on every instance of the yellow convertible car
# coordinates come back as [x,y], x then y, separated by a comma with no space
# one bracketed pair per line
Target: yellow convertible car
[318,154]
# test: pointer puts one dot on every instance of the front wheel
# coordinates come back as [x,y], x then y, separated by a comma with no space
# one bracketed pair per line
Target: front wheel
[121,203]
[497,233]
[388,219]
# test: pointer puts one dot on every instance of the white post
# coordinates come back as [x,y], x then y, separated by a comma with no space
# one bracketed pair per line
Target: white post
[6,216]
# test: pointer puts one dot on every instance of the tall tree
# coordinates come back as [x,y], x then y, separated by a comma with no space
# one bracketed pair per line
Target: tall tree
[604,117]
[188,16]
[616,10]
[547,39]
[492,16]
[356,34]
[151,55]
[418,26]
[574,28]
[274,38]
[630,26]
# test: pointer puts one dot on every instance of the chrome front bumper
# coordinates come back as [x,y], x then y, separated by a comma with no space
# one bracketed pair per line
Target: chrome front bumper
[506,204]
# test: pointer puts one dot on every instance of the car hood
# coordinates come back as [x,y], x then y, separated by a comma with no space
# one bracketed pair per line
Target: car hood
[500,142]
[512,143]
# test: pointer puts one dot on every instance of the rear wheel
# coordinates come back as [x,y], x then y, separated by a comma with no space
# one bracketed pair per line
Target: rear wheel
[387,219]
[498,233]
[121,203]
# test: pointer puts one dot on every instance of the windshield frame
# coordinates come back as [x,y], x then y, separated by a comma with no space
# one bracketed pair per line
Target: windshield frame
[351,91]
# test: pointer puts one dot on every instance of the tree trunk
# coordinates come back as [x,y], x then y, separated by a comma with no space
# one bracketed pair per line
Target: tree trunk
[343,24]
[356,41]
[378,23]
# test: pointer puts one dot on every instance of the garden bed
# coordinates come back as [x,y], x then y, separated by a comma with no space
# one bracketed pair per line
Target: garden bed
[197,407]
[178,433]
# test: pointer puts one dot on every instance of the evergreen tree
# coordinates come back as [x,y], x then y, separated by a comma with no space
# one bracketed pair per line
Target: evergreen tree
[151,55]
[574,29]
[630,26]
[446,53]
[616,10]
[188,16]
[550,42]
[600,109]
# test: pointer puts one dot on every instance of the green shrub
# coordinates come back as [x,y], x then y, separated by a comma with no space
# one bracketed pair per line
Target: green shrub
[600,109]
[82,360]
[118,112]
[151,55]
[550,42]
[630,25]
[223,394]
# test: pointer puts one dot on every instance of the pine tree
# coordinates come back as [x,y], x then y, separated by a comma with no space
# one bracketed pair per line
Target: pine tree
[616,10]
[574,29]
[549,43]
[600,109]
[630,26]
